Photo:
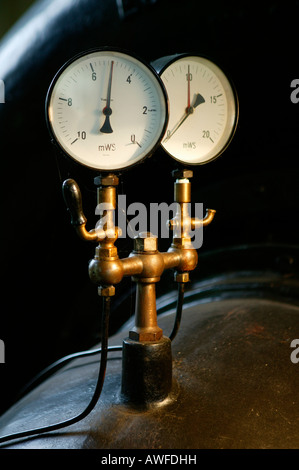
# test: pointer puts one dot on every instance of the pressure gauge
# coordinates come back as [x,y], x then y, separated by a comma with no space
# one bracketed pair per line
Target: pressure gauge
[107,109]
[203,108]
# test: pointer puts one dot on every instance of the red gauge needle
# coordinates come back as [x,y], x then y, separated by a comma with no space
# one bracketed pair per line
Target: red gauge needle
[188,88]
[107,111]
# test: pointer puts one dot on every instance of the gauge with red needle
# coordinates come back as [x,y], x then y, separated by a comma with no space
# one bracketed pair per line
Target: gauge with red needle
[107,109]
[203,108]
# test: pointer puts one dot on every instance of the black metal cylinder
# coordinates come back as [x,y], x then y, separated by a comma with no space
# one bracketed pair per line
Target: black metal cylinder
[146,371]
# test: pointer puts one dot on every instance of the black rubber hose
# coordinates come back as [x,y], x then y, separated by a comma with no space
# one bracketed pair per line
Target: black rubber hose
[97,391]
[179,309]
[48,371]
[101,377]
[55,366]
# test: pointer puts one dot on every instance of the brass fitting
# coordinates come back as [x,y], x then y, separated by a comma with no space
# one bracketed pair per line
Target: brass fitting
[145,264]
[196,223]
[106,180]
[179,174]
[108,291]
[91,235]
[146,249]
[181,277]
[182,244]
[146,327]
[145,242]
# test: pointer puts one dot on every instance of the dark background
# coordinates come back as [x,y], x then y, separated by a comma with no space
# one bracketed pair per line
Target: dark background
[48,305]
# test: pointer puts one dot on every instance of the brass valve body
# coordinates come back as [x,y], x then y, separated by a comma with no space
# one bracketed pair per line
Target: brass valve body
[145,264]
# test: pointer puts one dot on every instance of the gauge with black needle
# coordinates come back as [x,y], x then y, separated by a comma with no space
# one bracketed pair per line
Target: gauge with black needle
[107,111]
[129,87]
[198,99]
[197,134]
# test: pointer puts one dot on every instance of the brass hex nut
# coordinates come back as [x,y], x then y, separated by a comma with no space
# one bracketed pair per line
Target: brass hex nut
[146,335]
[106,180]
[106,252]
[183,242]
[179,174]
[106,291]
[145,242]
[181,277]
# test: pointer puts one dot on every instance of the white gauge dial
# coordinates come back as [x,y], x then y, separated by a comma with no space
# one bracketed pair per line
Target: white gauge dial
[202,109]
[107,110]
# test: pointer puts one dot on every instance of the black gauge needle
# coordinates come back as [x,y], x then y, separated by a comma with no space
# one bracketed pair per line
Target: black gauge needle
[198,99]
[107,111]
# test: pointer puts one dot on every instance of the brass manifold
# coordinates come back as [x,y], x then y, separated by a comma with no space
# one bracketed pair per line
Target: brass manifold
[145,263]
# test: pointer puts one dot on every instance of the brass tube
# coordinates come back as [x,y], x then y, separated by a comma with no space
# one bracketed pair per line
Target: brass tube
[132,265]
[196,223]
[171,259]
[182,191]
[91,236]
[146,313]
[209,217]
[107,194]
[146,327]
